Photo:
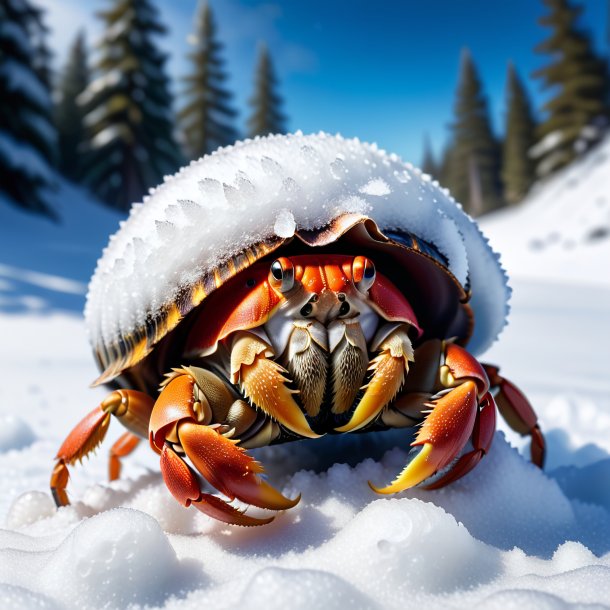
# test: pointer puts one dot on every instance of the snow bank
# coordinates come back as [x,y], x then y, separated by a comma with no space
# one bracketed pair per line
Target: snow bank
[502,529]
[561,231]
[267,187]
[112,560]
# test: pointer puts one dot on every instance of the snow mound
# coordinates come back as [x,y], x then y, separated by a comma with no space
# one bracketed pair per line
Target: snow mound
[496,537]
[112,560]
[269,187]
[14,433]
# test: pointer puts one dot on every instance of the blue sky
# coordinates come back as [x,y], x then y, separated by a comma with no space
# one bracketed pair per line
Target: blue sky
[385,72]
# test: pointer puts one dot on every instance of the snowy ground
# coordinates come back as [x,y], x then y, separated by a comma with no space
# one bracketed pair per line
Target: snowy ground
[506,536]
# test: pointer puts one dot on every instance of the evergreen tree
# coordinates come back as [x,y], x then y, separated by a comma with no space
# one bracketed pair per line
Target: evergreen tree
[69,115]
[444,167]
[267,116]
[518,167]
[474,171]
[28,141]
[207,118]
[428,163]
[128,108]
[577,112]
[41,60]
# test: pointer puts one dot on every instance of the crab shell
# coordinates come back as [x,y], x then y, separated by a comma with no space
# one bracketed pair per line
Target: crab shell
[176,256]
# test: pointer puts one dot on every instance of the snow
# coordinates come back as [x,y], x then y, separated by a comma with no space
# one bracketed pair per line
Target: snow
[506,536]
[18,78]
[240,196]
[568,214]
[22,156]
[11,30]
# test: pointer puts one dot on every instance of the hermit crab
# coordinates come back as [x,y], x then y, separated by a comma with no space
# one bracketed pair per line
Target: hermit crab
[286,288]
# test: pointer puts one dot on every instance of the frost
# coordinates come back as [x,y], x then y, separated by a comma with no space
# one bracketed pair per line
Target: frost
[284,224]
[377,186]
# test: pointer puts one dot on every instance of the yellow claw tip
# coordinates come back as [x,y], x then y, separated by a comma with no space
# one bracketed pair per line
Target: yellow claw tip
[416,471]
[352,426]
[294,502]
[381,490]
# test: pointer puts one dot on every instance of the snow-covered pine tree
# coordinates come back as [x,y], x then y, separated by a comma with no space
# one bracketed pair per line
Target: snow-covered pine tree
[428,162]
[128,108]
[69,115]
[42,55]
[28,140]
[576,114]
[518,167]
[267,116]
[474,172]
[207,119]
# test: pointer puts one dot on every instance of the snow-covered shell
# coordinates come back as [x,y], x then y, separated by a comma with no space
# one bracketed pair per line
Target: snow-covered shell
[221,213]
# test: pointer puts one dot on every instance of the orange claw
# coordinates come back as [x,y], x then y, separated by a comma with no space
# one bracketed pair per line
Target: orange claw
[229,468]
[182,483]
[218,459]
[443,435]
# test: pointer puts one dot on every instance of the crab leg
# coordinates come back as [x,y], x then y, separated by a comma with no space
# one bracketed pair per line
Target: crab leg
[263,381]
[518,412]
[125,445]
[130,406]
[389,368]
[482,437]
[455,417]
[178,429]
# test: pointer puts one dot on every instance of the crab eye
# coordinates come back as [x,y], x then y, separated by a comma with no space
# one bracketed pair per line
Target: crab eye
[306,309]
[344,309]
[281,275]
[363,273]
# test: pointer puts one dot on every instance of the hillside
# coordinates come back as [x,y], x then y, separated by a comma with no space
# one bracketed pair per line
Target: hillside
[561,232]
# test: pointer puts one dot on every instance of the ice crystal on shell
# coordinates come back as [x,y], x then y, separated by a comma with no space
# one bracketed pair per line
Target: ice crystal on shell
[274,186]
[284,224]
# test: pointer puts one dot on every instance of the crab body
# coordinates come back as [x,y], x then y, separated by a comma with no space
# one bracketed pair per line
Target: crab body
[337,328]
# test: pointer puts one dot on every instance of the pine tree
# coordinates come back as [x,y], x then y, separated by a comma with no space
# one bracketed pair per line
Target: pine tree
[267,116]
[428,162]
[69,115]
[128,107]
[28,140]
[207,118]
[474,171]
[518,167]
[444,167]
[41,61]
[577,112]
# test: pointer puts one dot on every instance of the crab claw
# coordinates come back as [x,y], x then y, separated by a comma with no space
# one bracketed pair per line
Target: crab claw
[442,436]
[389,368]
[229,468]
[176,433]
[183,485]
[264,383]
